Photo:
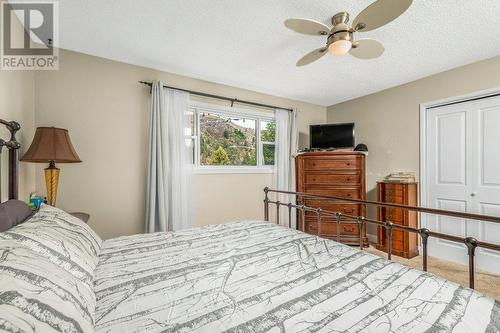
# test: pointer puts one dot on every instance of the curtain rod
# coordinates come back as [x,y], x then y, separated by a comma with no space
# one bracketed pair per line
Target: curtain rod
[229,99]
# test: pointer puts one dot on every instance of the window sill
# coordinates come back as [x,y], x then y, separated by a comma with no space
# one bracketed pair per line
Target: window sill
[231,170]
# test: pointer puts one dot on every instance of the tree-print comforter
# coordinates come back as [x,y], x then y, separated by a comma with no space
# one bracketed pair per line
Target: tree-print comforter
[258,277]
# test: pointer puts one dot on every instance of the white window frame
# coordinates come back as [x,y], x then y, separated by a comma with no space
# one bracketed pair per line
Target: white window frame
[257,116]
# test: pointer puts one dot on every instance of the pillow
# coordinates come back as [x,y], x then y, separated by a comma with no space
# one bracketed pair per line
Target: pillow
[62,239]
[13,212]
[37,295]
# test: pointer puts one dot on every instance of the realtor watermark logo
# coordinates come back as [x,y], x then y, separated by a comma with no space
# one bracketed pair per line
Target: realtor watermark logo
[29,30]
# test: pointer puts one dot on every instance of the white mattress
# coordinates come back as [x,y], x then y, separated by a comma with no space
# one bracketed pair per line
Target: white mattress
[255,277]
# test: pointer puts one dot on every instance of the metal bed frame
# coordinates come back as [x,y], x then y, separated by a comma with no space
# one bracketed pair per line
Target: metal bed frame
[13,146]
[470,242]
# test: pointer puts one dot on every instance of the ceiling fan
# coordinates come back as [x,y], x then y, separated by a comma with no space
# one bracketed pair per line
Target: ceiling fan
[340,38]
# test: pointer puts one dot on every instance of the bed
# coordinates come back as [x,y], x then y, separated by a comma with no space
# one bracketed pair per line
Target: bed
[57,275]
[253,276]
[247,276]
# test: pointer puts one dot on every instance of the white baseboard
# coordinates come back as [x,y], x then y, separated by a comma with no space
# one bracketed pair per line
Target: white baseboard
[372,238]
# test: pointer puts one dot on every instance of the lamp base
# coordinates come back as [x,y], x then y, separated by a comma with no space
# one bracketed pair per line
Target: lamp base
[51,182]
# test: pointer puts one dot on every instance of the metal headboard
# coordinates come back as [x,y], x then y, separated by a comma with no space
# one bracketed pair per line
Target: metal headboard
[12,146]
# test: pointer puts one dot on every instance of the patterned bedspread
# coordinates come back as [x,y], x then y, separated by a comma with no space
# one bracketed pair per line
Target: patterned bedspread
[257,277]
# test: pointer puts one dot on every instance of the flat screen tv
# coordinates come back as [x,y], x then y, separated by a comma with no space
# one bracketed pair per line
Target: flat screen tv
[332,136]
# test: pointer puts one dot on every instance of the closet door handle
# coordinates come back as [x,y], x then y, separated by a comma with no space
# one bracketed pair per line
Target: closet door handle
[473,194]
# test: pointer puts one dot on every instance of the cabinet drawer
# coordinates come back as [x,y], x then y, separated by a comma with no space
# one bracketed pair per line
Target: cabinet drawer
[393,215]
[332,179]
[349,193]
[331,164]
[393,198]
[348,209]
[397,245]
[392,191]
[313,217]
[398,236]
[331,228]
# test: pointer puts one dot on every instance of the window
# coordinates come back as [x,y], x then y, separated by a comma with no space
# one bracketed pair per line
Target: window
[227,139]
[268,139]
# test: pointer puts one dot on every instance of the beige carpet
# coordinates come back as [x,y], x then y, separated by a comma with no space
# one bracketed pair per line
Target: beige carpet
[486,283]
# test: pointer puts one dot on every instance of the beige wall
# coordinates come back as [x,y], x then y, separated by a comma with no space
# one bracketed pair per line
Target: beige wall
[17,103]
[17,96]
[388,121]
[105,110]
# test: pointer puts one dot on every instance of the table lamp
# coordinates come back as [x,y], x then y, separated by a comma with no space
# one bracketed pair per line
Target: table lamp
[51,145]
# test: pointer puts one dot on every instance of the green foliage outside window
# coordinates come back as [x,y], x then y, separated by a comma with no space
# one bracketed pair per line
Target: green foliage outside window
[219,157]
[235,136]
[230,140]
[268,153]
[269,133]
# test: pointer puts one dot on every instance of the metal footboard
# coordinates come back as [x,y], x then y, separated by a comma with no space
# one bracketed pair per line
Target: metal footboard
[470,242]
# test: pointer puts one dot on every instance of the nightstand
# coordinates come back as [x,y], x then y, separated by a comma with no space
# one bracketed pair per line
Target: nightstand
[404,244]
[82,216]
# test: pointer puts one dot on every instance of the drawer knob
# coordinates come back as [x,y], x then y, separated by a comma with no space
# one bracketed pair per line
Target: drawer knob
[348,179]
[348,164]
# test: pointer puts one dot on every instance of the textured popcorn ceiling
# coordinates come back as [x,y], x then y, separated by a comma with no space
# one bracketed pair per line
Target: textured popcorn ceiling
[243,43]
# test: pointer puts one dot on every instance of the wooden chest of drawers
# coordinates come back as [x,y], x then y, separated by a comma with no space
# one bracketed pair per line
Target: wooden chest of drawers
[404,244]
[339,174]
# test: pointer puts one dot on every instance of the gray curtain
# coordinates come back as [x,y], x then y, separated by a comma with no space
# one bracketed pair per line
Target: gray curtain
[168,201]
[284,166]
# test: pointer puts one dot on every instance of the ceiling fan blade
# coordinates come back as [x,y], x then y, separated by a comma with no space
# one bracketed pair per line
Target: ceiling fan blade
[312,56]
[380,13]
[367,49]
[307,27]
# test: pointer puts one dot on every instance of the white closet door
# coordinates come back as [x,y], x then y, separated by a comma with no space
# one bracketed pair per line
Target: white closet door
[485,189]
[463,174]
[448,163]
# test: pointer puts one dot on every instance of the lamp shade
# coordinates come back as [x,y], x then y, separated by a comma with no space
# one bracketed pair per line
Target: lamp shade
[51,144]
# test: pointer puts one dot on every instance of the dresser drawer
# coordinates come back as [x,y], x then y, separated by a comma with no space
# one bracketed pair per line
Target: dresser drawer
[348,209]
[398,236]
[332,178]
[392,191]
[349,193]
[330,229]
[393,198]
[313,217]
[331,164]
[397,245]
[393,214]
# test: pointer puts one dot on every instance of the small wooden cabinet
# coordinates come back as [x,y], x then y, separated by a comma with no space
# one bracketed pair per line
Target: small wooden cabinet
[338,173]
[404,244]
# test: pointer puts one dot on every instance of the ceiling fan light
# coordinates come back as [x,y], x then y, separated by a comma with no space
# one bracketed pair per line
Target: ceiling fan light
[340,47]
